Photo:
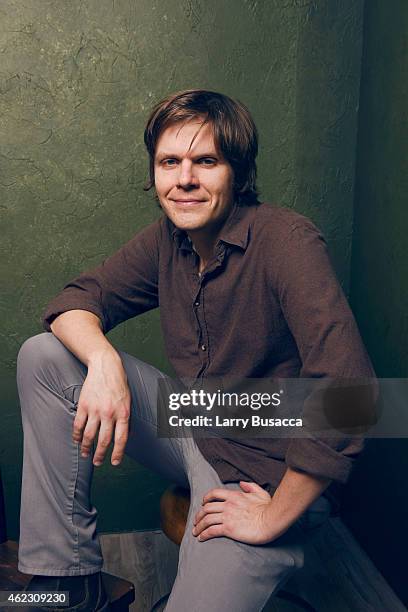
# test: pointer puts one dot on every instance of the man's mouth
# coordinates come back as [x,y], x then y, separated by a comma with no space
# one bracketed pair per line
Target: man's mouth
[187,202]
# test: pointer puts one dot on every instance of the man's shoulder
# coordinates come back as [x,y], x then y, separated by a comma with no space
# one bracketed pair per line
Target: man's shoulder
[279,221]
[282,234]
[147,240]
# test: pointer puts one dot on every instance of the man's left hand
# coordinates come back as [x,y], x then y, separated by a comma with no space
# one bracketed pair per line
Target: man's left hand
[240,515]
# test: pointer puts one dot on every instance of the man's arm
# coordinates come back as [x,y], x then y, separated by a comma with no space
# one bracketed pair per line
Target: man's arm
[104,402]
[81,332]
[122,286]
[331,351]
[295,493]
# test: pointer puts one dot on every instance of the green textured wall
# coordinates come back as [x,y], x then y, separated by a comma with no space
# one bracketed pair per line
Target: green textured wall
[379,287]
[77,81]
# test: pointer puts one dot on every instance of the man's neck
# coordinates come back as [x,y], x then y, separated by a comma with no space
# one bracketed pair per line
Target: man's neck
[204,246]
[205,239]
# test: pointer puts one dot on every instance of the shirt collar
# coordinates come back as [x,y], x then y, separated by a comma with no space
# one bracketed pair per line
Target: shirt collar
[235,231]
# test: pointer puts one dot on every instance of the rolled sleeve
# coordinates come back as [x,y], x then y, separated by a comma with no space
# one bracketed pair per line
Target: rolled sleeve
[121,287]
[319,459]
[74,296]
[329,345]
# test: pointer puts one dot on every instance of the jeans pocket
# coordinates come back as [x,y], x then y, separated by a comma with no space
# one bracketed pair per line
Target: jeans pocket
[72,394]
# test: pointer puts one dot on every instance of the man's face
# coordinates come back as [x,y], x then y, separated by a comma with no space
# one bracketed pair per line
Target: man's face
[194,185]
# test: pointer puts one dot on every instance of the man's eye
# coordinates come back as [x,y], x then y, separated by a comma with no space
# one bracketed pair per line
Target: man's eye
[206,161]
[169,162]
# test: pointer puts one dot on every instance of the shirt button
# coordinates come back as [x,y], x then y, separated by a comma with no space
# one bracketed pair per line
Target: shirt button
[196,303]
[203,347]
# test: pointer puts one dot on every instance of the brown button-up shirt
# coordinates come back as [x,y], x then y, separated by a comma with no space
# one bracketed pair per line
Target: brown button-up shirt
[267,305]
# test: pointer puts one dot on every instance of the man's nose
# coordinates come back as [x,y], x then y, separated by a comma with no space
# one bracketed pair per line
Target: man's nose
[187,175]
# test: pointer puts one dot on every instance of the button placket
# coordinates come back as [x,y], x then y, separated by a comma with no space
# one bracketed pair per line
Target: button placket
[198,308]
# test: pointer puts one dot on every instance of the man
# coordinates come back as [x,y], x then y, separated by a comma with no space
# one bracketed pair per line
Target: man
[245,289]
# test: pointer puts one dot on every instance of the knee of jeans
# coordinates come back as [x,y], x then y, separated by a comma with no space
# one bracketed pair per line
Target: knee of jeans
[39,354]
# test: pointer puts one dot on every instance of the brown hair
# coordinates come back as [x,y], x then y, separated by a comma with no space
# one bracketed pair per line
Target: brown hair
[235,133]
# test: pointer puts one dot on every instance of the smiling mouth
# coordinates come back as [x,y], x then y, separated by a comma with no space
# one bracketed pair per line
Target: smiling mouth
[188,202]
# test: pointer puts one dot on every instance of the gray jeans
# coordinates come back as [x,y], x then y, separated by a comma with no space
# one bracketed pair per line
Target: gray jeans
[58,534]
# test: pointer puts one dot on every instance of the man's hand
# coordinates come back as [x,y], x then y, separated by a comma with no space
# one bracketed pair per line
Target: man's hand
[252,516]
[239,515]
[104,404]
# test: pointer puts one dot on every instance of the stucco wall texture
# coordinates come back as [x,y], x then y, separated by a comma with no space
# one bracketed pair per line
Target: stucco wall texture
[379,287]
[77,81]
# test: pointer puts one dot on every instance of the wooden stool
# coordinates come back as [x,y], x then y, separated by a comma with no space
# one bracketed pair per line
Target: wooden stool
[174,507]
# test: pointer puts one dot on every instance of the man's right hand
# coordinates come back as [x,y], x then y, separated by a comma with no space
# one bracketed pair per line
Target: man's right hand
[104,405]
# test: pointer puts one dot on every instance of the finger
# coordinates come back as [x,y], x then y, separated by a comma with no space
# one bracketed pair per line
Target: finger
[206,522]
[218,495]
[121,437]
[89,435]
[210,508]
[215,531]
[253,487]
[247,486]
[104,439]
[79,424]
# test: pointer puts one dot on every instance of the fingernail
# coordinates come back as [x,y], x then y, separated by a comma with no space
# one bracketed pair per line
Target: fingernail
[97,463]
[84,455]
[115,462]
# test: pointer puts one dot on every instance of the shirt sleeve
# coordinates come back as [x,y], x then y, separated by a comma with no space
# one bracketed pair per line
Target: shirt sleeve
[329,346]
[121,287]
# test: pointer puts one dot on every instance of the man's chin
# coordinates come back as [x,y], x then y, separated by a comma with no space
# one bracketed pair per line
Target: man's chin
[187,223]
[189,227]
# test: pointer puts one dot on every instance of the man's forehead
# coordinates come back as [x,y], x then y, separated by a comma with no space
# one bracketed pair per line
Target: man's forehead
[193,137]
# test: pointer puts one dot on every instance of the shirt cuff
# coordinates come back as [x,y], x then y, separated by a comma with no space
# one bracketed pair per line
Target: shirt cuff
[57,307]
[316,458]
